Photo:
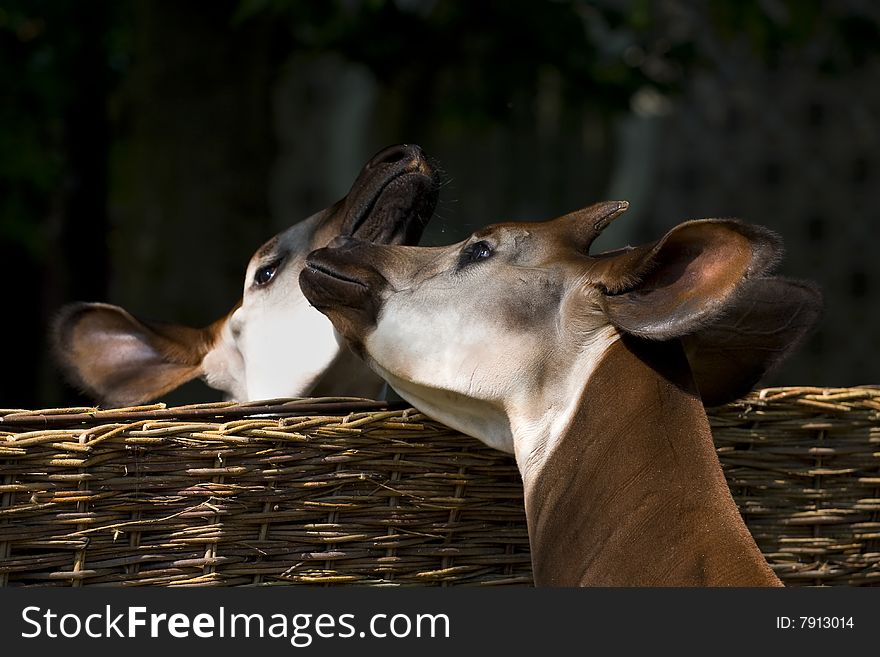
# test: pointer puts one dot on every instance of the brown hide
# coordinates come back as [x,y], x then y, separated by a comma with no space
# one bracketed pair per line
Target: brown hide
[634,493]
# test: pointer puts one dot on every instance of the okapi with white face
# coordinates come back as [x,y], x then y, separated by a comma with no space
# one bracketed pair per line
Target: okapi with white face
[273,343]
[589,369]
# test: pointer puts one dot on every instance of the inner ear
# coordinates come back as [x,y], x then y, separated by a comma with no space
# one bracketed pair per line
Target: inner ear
[687,278]
[121,360]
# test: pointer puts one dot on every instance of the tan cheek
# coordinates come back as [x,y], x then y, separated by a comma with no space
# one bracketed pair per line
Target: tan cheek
[479,357]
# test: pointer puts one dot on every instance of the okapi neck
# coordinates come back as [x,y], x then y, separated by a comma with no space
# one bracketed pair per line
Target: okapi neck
[633,493]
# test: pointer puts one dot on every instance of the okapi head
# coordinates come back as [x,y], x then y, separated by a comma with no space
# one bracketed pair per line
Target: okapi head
[589,368]
[273,343]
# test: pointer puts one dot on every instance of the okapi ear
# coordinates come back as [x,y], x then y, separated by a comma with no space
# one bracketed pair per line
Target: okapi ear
[767,320]
[583,226]
[686,280]
[123,361]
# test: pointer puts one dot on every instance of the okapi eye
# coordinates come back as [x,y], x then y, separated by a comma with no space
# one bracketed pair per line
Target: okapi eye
[266,273]
[476,251]
[481,250]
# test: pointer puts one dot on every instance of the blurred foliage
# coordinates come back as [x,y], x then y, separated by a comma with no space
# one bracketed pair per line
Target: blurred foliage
[30,122]
[468,59]
[466,62]
[70,80]
[39,45]
[838,35]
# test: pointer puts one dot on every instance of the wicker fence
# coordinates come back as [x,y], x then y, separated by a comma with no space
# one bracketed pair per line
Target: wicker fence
[339,492]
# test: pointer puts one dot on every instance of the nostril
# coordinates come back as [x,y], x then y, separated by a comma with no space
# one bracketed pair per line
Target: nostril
[394,154]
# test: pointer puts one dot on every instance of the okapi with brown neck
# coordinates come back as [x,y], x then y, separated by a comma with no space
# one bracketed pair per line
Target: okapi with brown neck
[590,369]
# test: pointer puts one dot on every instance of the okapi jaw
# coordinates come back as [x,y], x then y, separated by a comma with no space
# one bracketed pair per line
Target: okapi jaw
[273,343]
[519,338]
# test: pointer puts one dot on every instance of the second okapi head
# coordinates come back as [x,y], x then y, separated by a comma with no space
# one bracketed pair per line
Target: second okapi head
[591,368]
[273,343]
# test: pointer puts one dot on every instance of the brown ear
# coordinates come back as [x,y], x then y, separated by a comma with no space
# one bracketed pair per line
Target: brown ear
[767,319]
[686,279]
[121,360]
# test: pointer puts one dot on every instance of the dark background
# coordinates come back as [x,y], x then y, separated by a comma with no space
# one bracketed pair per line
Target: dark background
[148,147]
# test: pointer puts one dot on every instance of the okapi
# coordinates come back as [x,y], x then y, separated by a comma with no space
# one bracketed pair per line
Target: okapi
[592,370]
[273,343]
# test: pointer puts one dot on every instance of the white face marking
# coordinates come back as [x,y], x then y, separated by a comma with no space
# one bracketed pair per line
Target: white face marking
[275,344]
[286,347]
[272,350]
[223,367]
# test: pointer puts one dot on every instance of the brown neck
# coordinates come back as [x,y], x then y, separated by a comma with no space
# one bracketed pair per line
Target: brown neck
[633,493]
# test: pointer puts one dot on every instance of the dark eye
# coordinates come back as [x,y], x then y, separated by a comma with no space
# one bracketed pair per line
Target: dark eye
[476,251]
[266,273]
[480,250]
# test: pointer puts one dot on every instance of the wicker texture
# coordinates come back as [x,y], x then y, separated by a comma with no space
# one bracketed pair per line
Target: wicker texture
[302,492]
[803,465]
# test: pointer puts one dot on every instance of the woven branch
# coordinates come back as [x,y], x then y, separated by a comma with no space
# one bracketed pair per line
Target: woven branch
[341,491]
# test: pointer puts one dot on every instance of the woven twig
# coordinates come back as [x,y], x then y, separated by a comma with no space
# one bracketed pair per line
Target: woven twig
[65,417]
[305,492]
